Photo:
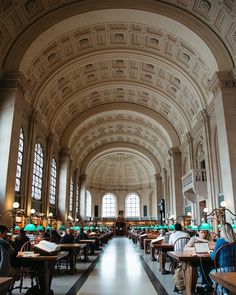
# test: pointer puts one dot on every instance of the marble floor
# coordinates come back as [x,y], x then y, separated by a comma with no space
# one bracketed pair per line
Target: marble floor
[120,268]
[119,271]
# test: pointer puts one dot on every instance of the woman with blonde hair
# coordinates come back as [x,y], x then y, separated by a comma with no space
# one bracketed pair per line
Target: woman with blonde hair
[226,236]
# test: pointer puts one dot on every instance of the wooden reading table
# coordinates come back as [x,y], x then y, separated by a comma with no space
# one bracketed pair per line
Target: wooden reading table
[225,279]
[163,249]
[73,251]
[44,266]
[190,261]
[5,283]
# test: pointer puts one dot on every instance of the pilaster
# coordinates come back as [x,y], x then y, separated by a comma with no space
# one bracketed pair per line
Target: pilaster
[223,87]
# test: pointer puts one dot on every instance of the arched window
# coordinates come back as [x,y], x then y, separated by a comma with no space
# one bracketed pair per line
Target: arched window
[37,182]
[109,206]
[53,182]
[71,196]
[132,205]
[88,204]
[77,200]
[19,162]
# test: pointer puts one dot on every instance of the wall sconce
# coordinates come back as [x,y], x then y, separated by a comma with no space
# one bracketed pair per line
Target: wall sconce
[14,212]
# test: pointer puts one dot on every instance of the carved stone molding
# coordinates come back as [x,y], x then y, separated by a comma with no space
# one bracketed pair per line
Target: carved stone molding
[174,152]
[158,177]
[14,80]
[222,80]
[64,152]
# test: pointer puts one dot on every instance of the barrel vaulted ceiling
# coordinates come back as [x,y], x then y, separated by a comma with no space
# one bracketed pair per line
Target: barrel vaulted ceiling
[104,75]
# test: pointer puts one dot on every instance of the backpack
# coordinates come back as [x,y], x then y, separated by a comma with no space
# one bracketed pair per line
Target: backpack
[179,278]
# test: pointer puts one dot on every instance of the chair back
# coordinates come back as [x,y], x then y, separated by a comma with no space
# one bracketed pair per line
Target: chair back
[180,243]
[225,258]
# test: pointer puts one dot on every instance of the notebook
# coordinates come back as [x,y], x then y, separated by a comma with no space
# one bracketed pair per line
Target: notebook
[201,248]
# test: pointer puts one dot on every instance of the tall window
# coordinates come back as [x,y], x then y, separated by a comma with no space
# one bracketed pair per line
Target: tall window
[37,182]
[88,204]
[19,162]
[53,182]
[71,196]
[133,205]
[109,205]
[77,200]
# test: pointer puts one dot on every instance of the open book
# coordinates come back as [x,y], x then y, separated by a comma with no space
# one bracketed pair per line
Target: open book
[47,248]
[157,240]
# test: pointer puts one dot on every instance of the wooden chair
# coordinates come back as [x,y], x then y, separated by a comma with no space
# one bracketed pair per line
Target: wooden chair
[26,271]
[178,247]
[225,261]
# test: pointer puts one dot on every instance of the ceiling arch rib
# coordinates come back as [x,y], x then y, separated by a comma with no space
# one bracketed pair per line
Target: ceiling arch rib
[162,45]
[126,120]
[118,126]
[164,125]
[93,140]
[32,25]
[111,148]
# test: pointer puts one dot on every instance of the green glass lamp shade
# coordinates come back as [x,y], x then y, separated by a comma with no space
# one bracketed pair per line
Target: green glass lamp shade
[48,227]
[62,227]
[165,226]
[77,227]
[160,227]
[72,228]
[219,225]
[205,226]
[86,227]
[194,227]
[172,227]
[234,226]
[92,227]
[40,228]
[17,227]
[30,227]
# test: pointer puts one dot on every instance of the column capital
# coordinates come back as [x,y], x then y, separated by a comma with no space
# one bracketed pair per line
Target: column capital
[14,80]
[50,138]
[83,177]
[65,152]
[189,137]
[174,152]
[158,177]
[223,79]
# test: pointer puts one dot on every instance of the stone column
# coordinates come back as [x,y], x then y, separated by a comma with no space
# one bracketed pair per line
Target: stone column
[11,102]
[223,87]
[159,194]
[29,160]
[46,205]
[190,150]
[208,158]
[76,187]
[83,179]
[176,173]
[64,184]
[166,191]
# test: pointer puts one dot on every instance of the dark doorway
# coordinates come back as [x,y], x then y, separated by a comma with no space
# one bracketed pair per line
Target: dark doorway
[120,228]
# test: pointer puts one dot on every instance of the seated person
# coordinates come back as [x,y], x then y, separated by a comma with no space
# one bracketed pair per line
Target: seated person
[227,236]
[6,252]
[202,236]
[178,233]
[20,240]
[68,238]
[82,235]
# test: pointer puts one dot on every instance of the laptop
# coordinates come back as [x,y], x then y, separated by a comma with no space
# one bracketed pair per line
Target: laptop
[201,248]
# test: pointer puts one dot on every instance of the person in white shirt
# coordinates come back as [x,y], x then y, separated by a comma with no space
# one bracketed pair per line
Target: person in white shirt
[178,233]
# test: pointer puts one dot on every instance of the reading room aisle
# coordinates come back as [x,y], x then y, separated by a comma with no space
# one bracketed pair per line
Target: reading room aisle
[118,272]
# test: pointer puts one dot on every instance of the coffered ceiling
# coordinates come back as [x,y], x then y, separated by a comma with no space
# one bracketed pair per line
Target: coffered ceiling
[128,74]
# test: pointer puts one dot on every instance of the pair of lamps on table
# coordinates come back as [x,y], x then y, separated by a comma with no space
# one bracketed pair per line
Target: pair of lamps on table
[32,228]
[220,214]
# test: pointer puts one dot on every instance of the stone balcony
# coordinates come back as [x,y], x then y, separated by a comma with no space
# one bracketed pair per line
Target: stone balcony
[195,182]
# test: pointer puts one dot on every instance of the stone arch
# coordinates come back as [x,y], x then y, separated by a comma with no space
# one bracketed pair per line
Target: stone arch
[24,39]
